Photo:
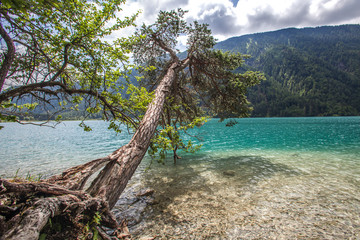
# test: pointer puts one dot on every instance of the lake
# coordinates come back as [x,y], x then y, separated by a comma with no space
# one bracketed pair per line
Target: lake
[264,178]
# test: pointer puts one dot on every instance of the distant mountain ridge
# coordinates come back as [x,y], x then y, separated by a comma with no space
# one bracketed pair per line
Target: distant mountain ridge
[310,71]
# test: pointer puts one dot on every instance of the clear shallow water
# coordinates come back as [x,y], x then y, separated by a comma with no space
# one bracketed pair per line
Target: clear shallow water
[277,178]
[47,151]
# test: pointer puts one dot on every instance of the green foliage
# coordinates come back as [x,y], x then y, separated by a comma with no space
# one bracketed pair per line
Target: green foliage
[78,228]
[114,126]
[28,177]
[54,226]
[138,99]
[64,63]
[7,109]
[172,138]
[58,118]
[310,72]
[90,227]
[7,118]
[16,173]
[43,236]
[85,127]
[33,178]
[81,70]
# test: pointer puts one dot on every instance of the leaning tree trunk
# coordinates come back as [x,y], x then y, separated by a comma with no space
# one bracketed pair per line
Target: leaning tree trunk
[63,195]
[113,179]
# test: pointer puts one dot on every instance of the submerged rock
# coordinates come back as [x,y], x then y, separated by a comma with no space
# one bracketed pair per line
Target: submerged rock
[229,173]
[146,192]
[132,205]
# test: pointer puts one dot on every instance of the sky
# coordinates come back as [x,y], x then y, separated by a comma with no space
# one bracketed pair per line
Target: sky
[228,18]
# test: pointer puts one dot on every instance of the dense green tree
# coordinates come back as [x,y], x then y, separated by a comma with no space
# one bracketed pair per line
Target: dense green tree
[58,58]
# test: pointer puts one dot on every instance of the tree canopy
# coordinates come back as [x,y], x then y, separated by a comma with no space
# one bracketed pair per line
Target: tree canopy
[206,81]
[56,57]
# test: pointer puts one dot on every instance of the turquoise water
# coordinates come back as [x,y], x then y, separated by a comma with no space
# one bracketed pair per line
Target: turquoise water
[264,178]
[293,134]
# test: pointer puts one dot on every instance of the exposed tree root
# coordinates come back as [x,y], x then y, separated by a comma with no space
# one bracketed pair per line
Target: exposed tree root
[29,210]
[75,178]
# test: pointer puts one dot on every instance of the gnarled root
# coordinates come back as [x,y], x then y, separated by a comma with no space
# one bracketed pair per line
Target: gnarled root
[31,209]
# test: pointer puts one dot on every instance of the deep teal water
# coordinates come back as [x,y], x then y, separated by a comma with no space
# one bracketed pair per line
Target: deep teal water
[268,178]
[295,134]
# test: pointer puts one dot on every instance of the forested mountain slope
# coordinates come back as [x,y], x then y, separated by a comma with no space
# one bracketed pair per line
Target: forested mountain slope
[310,71]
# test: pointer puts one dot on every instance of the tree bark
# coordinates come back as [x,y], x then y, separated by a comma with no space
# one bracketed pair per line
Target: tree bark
[9,56]
[34,219]
[76,177]
[113,179]
[39,201]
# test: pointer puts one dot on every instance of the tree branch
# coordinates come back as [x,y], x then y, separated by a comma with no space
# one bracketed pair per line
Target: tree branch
[166,48]
[40,87]
[57,74]
[9,56]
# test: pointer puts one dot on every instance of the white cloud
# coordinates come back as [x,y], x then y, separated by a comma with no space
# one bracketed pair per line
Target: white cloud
[229,18]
